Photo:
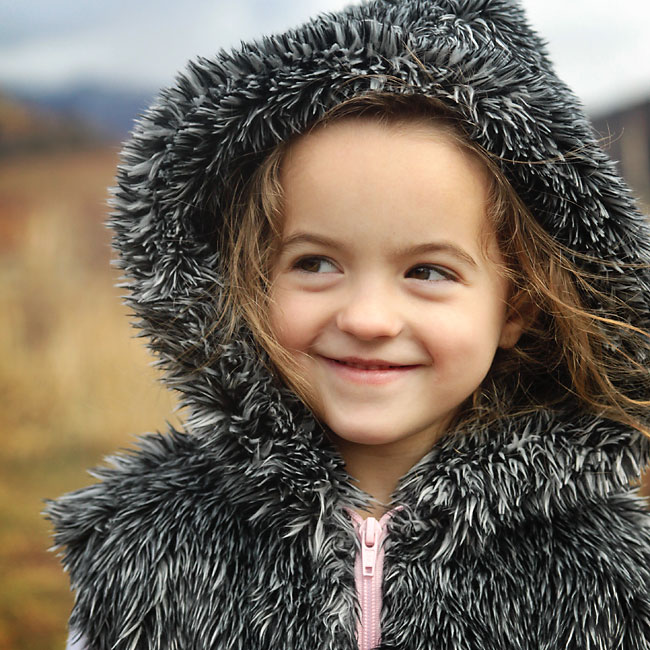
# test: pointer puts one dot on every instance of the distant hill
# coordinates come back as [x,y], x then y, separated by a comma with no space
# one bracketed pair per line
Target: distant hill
[26,128]
[625,134]
[107,112]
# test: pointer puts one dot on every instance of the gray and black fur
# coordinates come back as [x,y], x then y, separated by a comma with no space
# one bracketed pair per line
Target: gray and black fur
[232,534]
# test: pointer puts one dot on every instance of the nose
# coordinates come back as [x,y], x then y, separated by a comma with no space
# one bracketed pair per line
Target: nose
[370,312]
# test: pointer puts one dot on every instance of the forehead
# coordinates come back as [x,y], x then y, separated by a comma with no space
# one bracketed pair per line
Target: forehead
[398,183]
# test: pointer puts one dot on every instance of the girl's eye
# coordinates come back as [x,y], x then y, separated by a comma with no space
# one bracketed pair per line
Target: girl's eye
[311,264]
[427,272]
[430,273]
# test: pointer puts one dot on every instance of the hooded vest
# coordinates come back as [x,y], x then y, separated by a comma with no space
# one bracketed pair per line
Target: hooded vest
[234,533]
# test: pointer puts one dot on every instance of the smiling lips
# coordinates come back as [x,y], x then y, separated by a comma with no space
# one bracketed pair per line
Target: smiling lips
[368,371]
[370,364]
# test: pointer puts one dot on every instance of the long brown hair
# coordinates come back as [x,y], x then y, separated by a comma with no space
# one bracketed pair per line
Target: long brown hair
[565,354]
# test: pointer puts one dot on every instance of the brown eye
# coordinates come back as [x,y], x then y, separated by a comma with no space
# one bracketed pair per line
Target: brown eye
[431,273]
[311,264]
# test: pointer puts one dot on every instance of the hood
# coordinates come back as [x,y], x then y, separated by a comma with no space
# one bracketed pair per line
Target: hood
[479,56]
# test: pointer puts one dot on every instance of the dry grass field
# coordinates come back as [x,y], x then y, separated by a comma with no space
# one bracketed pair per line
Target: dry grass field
[74,382]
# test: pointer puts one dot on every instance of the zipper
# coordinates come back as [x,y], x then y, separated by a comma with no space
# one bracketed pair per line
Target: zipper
[369,565]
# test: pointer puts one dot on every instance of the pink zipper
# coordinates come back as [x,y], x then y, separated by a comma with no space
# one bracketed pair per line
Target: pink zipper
[368,572]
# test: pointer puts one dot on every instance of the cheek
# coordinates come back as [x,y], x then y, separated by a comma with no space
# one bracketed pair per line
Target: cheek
[292,321]
[463,339]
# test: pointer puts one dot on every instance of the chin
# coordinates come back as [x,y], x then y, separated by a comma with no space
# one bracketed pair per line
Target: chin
[366,435]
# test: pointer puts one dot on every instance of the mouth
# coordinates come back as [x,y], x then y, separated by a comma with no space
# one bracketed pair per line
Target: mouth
[368,372]
[370,364]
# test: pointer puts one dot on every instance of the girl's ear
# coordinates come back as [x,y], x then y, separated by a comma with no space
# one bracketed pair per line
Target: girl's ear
[520,314]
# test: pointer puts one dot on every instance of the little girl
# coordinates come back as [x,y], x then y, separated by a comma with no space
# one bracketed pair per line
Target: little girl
[404,297]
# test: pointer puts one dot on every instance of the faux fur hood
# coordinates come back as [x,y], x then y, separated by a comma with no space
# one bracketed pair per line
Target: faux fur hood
[254,437]
[479,56]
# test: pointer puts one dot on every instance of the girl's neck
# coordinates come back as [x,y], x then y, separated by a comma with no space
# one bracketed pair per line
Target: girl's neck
[379,468]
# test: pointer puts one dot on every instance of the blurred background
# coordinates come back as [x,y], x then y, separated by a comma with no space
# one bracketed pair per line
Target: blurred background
[75,382]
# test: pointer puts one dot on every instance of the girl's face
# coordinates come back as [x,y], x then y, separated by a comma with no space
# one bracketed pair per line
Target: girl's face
[381,264]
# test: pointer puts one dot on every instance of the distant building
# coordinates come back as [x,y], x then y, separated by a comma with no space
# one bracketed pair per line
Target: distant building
[625,134]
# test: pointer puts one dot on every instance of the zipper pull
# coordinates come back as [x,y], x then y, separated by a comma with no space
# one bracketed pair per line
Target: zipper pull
[370,534]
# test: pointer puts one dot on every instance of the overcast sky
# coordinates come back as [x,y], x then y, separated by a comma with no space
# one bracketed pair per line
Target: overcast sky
[600,47]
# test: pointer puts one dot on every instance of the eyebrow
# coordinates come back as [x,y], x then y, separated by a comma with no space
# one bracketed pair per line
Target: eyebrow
[404,251]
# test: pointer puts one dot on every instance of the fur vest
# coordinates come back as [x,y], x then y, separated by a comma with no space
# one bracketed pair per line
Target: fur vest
[233,533]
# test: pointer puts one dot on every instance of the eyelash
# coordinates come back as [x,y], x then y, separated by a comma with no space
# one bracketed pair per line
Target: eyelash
[448,275]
